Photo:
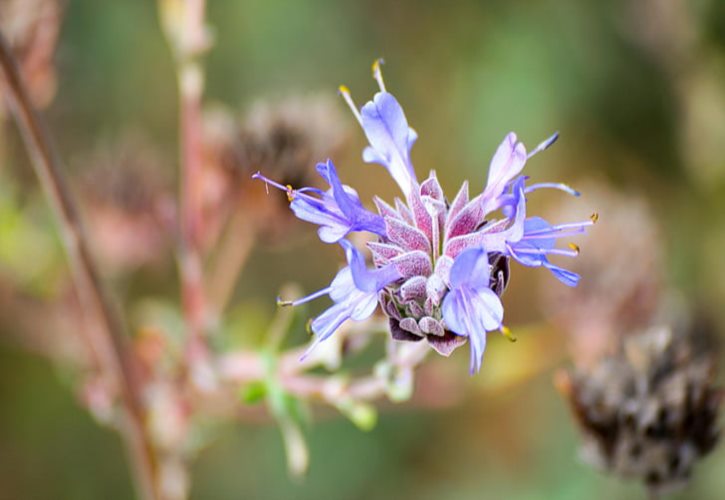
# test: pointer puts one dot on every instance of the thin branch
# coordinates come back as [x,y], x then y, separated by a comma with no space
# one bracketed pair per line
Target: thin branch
[188,40]
[109,342]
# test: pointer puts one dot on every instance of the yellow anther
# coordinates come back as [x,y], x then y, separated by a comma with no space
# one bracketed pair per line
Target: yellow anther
[290,193]
[376,66]
[574,247]
[594,217]
[378,74]
[283,303]
[506,331]
[343,89]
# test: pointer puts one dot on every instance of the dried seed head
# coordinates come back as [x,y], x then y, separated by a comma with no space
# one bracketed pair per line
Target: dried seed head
[285,139]
[128,203]
[649,411]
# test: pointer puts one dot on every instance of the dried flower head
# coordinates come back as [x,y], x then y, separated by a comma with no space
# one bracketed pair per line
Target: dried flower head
[649,411]
[284,138]
[32,28]
[129,207]
[440,267]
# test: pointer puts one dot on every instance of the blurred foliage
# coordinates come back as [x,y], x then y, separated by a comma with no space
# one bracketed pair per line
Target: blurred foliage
[466,73]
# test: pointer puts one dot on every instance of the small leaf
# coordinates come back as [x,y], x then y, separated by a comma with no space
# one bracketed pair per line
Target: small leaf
[254,393]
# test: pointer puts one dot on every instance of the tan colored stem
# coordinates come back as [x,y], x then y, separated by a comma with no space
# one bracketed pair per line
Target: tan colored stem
[109,342]
[191,87]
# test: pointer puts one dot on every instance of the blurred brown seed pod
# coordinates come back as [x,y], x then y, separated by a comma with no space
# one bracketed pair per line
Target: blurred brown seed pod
[284,140]
[128,203]
[649,410]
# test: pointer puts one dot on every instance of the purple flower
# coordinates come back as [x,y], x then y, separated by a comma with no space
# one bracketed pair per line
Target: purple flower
[539,241]
[354,292]
[337,211]
[471,308]
[531,240]
[390,139]
[440,266]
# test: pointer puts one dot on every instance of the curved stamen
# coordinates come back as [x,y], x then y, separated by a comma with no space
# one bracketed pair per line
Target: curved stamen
[543,145]
[547,236]
[552,185]
[550,251]
[378,74]
[270,182]
[345,93]
[559,227]
[291,193]
[303,300]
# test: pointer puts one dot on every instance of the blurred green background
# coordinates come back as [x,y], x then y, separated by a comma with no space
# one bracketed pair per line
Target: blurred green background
[637,91]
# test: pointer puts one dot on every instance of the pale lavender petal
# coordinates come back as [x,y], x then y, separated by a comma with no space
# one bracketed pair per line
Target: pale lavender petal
[387,131]
[364,306]
[329,321]
[507,162]
[367,280]
[569,278]
[470,269]
[342,285]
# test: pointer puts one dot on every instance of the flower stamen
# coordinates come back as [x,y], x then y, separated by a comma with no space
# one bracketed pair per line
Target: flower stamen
[543,145]
[506,332]
[378,74]
[303,300]
[345,93]
[553,185]
[288,189]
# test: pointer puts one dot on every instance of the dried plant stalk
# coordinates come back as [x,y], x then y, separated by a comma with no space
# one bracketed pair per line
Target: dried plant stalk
[106,333]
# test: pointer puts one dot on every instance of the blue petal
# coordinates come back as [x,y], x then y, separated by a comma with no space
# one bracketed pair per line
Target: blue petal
[343,285]
[356,305]
[329,321]
[488,310]
[347,205]
[454,313]
[338,211]
[470,269]
[477,345]
[364,306]
[315,210]
[569,278]
[332,233]
[473,313]
[468,311]
[358,218]
[390,137]
[366,280]
[507,162]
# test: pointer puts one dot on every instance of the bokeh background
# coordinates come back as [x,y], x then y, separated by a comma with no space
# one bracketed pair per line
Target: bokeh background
[637,92]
